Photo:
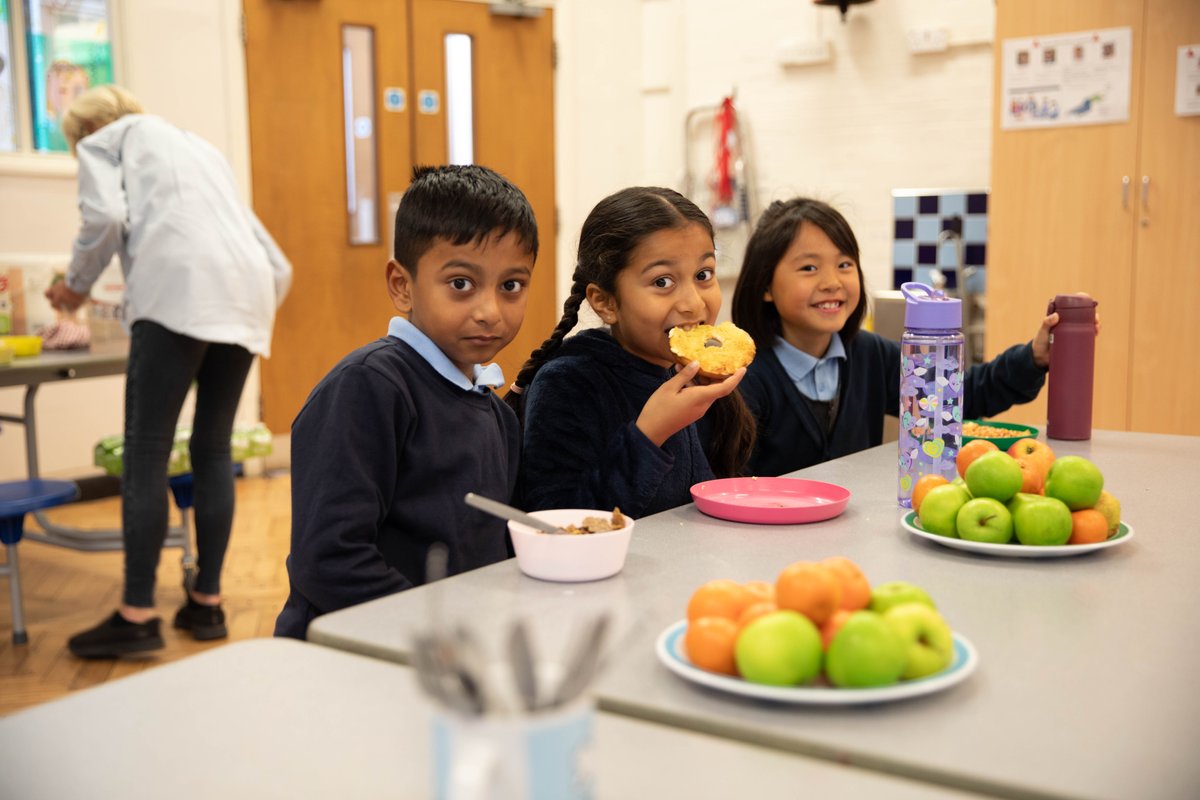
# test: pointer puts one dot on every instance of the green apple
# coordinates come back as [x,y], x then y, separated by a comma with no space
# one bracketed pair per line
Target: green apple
[1042,521]
[1018,499]
[1076,481]
[1110,507]
[960,482]
[985,519]
[928,640]
[995,474]
[782,648]
[866,652]
[940,507]
[894,593]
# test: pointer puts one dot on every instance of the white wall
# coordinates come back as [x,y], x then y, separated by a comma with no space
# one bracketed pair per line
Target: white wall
[874,118]
[184,61]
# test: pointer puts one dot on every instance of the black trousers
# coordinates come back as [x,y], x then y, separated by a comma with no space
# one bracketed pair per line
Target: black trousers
[162,367]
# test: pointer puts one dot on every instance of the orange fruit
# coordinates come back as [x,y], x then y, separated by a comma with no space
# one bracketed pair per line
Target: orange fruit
[1088,526]
[971,451]
[833,625]
[761,590]
[924,484]
[1033,476]
[754,611]
[709,644]
[719,598]
[856,589]
[809,588]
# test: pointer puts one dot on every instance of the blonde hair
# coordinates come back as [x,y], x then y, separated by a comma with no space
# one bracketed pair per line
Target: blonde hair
[94,109]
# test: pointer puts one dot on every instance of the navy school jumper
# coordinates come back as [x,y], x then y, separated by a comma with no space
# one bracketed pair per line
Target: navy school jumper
[383,452]
[791,438]
[582,446]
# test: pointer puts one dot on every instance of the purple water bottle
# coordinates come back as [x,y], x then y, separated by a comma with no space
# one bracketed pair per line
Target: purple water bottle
[931,386]
[1072,365]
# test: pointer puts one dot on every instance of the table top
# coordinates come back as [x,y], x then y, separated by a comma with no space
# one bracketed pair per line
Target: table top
[108,358]
[1079,690]
[274,718]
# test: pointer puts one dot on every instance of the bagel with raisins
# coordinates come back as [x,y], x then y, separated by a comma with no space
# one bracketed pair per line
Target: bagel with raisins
[720,349]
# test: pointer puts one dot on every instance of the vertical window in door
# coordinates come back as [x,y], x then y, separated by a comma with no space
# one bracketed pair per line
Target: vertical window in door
[460,118]
[358,103]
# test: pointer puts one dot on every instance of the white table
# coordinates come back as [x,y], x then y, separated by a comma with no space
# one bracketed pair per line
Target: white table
[274,718]
[1083,688]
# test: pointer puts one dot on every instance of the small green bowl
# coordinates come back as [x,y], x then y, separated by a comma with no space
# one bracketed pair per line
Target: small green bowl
[1003,442]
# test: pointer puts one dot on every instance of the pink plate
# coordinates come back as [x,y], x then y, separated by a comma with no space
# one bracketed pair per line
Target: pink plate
[773,501]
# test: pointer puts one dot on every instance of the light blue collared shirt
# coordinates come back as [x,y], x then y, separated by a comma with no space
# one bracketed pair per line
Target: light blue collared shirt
[414,337]
[815,378]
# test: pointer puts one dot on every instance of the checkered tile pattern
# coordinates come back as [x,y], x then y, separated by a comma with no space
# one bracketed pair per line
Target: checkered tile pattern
[920,217]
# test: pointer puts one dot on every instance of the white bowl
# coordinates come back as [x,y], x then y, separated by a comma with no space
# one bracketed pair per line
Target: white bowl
[573,557]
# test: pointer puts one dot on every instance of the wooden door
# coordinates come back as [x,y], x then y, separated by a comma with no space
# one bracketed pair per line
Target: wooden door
[294,65]
[513,80]
[1057,222]
[294,76]
[1164,376]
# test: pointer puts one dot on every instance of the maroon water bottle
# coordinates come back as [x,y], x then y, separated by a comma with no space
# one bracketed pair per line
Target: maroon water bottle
[1072,365]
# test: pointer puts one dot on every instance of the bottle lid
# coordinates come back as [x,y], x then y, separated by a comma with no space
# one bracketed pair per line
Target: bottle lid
[929,308]
[1072,305]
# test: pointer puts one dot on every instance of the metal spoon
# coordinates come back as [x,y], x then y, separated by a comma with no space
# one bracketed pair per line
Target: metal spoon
[582,663]
[524,665]
[498,509]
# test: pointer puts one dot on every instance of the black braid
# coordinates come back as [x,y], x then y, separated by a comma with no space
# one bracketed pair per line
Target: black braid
[515,398]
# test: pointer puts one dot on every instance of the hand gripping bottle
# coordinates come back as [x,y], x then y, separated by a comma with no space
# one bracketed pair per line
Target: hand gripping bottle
[931,386]
[1072,362]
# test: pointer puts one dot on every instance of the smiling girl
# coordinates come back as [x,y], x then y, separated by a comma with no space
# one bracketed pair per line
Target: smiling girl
[608,419]
[820,387]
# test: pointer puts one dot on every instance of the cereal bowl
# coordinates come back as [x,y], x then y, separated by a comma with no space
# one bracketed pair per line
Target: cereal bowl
[570,557]
[1018,432]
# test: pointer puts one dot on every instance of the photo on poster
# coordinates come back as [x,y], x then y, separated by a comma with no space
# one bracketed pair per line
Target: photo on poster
[69,50]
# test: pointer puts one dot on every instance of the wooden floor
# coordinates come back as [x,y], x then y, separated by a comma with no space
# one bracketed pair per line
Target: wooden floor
[66,591]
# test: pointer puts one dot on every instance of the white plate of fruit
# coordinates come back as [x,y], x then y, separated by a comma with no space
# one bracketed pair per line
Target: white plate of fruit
[1023,503]
[819,635]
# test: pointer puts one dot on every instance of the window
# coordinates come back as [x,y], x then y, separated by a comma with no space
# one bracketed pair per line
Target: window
[50,52]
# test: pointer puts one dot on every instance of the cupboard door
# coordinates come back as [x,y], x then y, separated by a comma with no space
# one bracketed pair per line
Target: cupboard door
[1164,371]
[1056,219]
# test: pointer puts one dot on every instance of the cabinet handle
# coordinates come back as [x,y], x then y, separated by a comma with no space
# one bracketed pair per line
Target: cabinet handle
[1145,192]
[1125,192]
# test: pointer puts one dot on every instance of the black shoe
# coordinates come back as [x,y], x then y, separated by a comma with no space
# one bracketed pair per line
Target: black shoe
[115,637]
[205,622]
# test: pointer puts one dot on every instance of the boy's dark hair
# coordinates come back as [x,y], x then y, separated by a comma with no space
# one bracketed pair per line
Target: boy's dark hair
[772,237]
[461,204]
[611,232]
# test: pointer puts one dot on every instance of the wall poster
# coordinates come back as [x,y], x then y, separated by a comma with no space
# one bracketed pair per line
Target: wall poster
[1066,79]
[8,100]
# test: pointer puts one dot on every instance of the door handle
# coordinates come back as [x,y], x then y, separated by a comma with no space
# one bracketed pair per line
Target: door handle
[1125,192]
[1145,193]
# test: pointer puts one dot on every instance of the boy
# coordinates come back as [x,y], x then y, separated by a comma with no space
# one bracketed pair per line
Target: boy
[400,430]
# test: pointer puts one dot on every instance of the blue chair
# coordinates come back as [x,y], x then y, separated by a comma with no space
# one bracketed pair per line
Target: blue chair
[17,498]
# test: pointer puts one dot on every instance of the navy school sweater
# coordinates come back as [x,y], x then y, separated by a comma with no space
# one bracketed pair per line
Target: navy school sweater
[791,438]
[383,452]
[582,446]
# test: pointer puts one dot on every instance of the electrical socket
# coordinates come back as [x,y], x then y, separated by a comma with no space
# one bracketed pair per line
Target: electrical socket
[928,40]
[798,52]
